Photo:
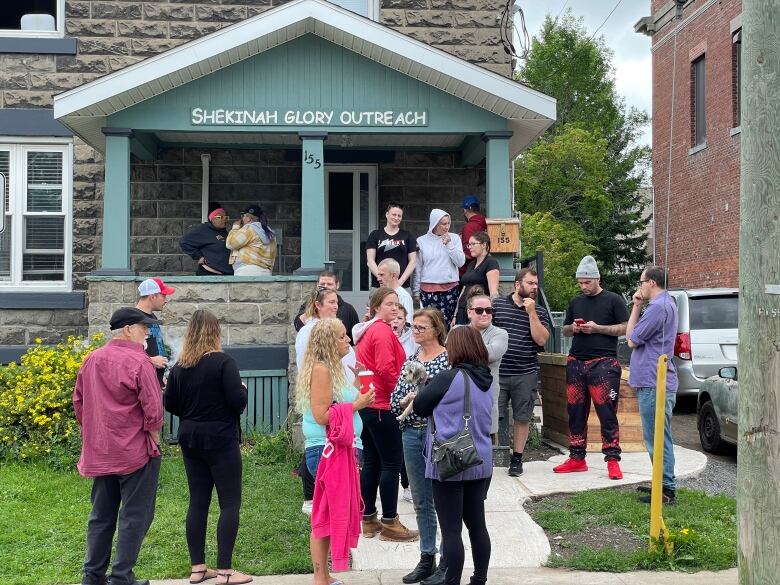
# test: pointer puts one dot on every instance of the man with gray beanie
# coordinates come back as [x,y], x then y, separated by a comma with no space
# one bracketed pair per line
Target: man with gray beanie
[595,319]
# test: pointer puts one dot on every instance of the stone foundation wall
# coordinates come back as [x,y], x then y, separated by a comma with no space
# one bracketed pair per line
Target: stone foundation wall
[24,326]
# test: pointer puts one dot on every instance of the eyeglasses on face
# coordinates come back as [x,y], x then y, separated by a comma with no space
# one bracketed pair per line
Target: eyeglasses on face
[528,283]
[480,310]
[641,282]
[420,328]
[471,244]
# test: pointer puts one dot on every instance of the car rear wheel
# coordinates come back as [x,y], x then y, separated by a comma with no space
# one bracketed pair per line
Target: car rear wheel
[709,429]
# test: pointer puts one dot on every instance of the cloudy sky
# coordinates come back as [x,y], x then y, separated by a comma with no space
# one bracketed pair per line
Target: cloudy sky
[631,50]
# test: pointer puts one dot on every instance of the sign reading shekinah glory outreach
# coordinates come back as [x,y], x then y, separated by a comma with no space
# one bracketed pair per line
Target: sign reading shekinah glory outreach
[244,117]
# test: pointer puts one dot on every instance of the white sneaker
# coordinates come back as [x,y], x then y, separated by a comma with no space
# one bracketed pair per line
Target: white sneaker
[307,506]
[407,496]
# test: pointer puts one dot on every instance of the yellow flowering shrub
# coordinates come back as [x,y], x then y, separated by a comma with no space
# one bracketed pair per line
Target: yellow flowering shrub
[36,401]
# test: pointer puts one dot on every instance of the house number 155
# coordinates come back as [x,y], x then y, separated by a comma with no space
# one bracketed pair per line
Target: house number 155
[310,159]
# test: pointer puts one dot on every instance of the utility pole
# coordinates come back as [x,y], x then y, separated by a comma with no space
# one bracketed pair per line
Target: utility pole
[758,463]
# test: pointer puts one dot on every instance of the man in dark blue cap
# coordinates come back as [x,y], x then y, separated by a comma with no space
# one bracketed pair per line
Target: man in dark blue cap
[475,222]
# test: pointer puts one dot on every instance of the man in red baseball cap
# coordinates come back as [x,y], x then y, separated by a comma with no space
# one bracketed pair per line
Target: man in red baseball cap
[153,295]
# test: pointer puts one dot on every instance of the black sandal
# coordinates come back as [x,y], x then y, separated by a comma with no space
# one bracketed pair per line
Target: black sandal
[204,575]
[229,582]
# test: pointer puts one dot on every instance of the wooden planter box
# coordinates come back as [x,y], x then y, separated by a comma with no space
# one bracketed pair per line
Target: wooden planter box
[555,418]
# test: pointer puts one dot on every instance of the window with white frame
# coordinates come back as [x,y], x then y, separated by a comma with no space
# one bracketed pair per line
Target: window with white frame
[367,8]
[35,244]
[32,18]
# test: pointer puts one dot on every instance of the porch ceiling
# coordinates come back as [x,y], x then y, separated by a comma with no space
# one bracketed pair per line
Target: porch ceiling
[84,109]
[450,141]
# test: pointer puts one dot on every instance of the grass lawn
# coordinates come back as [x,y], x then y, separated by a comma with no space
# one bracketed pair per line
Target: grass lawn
[43,516]
[607,530]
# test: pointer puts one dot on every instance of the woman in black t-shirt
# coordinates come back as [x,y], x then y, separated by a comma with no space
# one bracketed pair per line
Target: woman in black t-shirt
[482,271]
[205,391]
[392,242]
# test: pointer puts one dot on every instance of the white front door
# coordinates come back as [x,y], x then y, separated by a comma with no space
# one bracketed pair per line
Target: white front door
[350,208]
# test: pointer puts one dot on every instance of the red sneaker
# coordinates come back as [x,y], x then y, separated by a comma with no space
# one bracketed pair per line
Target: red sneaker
[571,466]
[613,469]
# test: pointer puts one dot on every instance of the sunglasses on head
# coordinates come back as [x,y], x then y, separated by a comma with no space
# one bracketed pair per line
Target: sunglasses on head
[480,310]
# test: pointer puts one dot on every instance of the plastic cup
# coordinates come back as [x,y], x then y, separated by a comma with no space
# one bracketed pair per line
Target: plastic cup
[366,378]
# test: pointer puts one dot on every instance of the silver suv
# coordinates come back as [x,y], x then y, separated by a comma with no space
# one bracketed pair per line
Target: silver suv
[706,334]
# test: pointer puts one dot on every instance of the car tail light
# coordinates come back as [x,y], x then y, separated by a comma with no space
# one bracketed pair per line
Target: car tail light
[682,346]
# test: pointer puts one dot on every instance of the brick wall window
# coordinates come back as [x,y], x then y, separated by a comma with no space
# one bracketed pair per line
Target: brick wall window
[698,102]
[368,8]
[35,244]
[32,18]
[736,77]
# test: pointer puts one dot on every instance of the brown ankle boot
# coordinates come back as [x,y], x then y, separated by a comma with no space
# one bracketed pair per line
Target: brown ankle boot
[371,526]
[394,531]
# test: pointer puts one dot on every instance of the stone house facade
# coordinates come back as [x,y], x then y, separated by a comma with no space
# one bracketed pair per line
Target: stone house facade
[44,282]
[700,48]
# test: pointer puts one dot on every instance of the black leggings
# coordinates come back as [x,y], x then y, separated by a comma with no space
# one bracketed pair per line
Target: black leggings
[458,503]
[382,458]
[207,468]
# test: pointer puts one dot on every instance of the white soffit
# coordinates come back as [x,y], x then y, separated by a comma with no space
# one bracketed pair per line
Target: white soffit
[84,108]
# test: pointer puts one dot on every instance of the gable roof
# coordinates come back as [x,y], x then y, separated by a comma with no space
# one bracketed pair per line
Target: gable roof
[85,108]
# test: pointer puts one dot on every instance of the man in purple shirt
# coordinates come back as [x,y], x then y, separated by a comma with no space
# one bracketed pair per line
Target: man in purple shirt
[118,405]
[651,335]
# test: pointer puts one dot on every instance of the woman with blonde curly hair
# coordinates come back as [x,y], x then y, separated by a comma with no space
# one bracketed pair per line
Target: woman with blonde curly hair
[205,391]
[322,382]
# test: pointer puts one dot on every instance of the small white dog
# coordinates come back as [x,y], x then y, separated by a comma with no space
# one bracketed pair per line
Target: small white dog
[412,373]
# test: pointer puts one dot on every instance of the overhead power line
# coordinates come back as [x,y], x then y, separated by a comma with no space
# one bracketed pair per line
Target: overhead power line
[618,3]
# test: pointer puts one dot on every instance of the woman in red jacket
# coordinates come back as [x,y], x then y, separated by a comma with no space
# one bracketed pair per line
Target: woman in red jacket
[379,350]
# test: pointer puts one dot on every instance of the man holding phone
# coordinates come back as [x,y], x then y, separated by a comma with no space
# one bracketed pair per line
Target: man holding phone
[595,319]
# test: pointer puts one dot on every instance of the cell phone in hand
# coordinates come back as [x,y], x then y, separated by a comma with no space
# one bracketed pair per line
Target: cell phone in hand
[579,322]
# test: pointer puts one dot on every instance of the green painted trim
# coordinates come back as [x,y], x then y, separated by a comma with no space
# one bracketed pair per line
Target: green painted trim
[505,262]
[206,279]
[472,151]
[263,373]
[116,203]
[498,188]
[145,146]
[313,228]
[334,79]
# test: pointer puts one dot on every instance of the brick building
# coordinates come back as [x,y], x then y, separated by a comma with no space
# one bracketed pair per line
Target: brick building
[696,59]
[109,158]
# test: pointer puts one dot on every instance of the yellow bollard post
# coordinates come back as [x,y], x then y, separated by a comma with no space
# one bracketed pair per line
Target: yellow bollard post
[657,526]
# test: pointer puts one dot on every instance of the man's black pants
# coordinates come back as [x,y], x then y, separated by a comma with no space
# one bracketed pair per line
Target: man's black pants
[136,492]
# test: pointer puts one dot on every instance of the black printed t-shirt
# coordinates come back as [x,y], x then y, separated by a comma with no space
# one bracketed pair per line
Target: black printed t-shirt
[606,308]
[398,247]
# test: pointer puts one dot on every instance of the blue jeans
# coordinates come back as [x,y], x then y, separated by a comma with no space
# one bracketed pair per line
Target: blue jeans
[312,455]
[646,399]
[422,493]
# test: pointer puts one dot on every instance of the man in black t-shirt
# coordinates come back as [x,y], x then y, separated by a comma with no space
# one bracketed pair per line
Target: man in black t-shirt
[392,242]
[596,319]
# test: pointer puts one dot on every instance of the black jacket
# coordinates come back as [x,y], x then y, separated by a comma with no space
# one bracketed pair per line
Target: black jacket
[208,242]
[346,314]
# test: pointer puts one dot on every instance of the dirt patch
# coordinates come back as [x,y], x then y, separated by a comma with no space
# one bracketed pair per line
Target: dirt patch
[597,537]
[540,453]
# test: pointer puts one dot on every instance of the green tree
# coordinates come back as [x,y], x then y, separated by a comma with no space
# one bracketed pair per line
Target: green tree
[566,175]
[566,63]
[564,244]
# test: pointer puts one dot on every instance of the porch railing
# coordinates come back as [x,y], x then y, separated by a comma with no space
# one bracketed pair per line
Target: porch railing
[267,404]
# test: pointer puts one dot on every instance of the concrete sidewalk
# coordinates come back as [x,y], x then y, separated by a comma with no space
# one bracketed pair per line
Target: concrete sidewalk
[513,576]
[520,547]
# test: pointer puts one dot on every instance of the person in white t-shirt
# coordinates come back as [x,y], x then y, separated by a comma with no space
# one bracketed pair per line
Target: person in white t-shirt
[388,271]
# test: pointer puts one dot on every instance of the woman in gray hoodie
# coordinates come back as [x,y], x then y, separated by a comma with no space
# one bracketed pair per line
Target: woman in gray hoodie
[439,255]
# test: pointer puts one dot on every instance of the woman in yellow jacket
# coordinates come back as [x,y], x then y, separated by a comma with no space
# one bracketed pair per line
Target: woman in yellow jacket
[253,244]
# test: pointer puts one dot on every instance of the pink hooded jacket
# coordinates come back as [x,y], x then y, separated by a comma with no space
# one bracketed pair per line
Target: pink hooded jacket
[338,508]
